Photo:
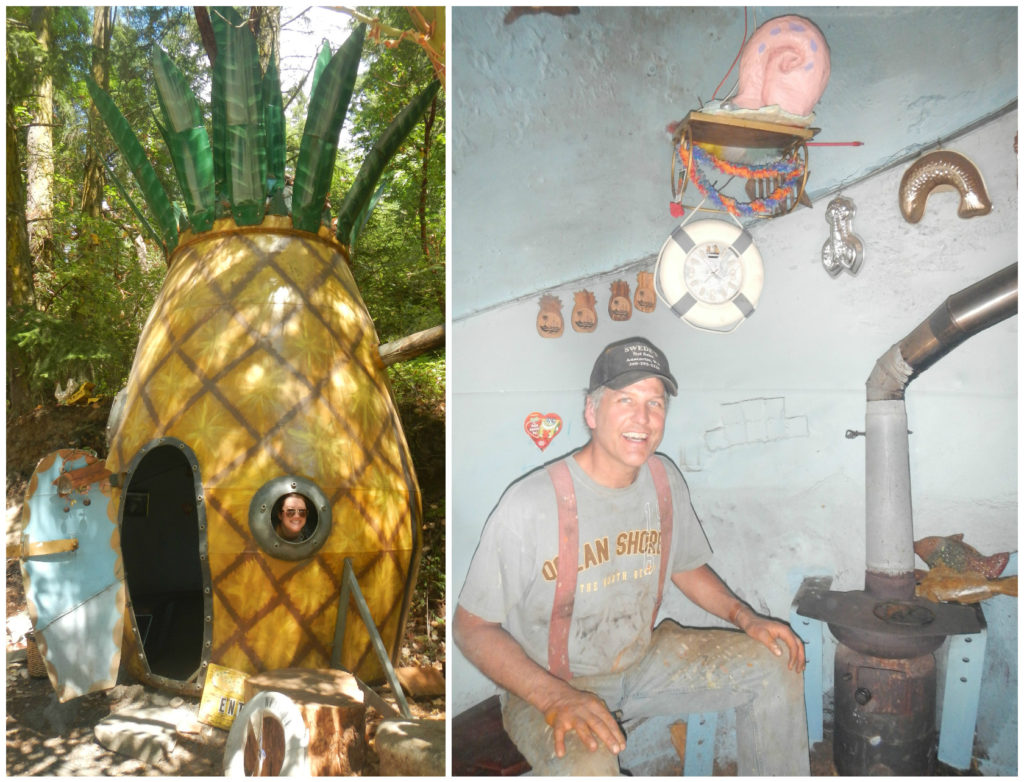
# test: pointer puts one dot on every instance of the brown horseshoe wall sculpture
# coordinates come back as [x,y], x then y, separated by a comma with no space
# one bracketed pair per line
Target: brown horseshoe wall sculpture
[947,169]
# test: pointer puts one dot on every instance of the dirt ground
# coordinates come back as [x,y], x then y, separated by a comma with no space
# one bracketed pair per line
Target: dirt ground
[47,738]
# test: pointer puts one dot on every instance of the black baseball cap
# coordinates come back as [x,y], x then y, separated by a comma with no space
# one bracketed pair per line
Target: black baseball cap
[629,360]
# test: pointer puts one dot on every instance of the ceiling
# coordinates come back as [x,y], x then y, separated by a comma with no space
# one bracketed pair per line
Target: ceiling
[561,157]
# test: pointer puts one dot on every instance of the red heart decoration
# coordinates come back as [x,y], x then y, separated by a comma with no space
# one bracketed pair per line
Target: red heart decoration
[542,428]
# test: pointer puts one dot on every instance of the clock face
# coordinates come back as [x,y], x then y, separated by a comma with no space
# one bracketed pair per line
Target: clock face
[713,273]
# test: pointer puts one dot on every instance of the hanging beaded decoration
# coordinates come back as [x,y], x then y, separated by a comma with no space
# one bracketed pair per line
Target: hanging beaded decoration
[788,173]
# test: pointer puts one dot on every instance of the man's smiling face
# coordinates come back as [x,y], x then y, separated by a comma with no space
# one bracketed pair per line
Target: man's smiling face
[626,428]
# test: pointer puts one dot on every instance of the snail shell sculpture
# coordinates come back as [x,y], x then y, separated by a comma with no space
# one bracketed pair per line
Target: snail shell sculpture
[943,170]
[786,63]
[260,362]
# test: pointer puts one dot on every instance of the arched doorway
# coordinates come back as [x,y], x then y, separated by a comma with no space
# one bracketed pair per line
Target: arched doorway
[163,542]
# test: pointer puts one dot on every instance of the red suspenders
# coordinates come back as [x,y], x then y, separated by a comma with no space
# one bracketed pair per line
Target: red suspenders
[568,557]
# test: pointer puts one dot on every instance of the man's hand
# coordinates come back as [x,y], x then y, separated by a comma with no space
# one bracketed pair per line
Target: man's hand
[499,657]
[585,713]
[770,632]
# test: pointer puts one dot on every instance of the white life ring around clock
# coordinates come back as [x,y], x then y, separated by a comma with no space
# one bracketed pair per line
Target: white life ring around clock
[710,274]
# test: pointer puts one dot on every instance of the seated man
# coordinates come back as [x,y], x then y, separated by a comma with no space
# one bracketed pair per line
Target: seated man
[571,646]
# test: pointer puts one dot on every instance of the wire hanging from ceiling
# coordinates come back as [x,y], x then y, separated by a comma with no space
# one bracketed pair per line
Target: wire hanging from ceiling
[739,51]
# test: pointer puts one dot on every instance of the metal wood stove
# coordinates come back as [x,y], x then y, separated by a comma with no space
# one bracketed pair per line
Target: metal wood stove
[884,664]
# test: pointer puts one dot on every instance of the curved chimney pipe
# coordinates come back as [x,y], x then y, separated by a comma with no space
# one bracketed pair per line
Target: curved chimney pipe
[890,522]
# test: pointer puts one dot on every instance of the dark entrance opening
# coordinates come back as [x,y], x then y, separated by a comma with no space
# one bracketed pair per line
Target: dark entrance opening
[160,542]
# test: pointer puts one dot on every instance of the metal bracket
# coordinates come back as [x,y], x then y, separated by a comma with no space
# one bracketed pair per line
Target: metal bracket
[350,588]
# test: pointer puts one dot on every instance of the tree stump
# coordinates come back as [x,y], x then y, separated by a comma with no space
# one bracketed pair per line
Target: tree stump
[333,711]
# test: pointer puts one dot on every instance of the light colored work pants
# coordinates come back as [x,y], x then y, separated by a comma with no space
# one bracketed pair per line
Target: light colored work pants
[685,671]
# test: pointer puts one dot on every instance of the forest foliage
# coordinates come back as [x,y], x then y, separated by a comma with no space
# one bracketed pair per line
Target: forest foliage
[93,287]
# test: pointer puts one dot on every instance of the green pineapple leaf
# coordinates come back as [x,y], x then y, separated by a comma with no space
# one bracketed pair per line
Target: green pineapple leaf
[318,150]
[237,68]
[273,121]
[364,215]
[187,141]
[156,197]
[378,158]
[322,58]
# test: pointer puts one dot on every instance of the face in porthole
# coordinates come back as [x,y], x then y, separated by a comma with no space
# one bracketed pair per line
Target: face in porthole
[292,518]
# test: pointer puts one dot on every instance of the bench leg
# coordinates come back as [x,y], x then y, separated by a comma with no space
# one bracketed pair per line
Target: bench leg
[700,744]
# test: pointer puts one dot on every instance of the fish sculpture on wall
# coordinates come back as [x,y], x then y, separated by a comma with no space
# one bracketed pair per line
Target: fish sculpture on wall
[952,552]
[257,379]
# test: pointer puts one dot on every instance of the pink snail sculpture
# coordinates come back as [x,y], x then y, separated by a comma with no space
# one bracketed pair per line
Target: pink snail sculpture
[786,63]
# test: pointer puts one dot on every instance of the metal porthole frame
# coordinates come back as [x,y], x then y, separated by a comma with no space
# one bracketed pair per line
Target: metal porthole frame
[261,522]
[670,283]
[296,735]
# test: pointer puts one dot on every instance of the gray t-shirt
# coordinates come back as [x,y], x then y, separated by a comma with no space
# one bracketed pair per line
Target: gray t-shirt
[512,577]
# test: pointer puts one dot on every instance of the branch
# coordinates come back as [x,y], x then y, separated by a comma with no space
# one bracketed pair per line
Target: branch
[206,32]
[409,347]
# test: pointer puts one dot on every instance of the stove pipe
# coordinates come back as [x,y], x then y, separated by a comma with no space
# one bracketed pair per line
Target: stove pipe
[889,523]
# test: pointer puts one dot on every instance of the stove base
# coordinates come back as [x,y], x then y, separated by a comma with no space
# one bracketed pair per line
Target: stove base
[884,715]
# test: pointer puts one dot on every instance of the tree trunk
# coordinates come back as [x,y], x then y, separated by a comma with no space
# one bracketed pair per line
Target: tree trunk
[92,188]
[20,289]
[39,155]
[206,32]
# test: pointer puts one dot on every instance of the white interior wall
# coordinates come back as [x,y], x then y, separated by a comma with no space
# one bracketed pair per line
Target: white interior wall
[780,491]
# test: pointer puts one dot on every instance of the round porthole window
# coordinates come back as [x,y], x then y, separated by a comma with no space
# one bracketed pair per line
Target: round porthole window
[290,518]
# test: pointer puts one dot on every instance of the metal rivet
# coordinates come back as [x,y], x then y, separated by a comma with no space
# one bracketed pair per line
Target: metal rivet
[263,507]
[294,485]
[206,590]
[966,659]
[87,501]
[209,619]
[963,679]
[199,498]
[968,640]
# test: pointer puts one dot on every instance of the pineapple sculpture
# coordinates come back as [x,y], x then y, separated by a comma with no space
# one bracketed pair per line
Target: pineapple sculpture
[259,365]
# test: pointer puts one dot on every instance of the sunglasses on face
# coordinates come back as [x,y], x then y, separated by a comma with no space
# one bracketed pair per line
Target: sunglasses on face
[289,512]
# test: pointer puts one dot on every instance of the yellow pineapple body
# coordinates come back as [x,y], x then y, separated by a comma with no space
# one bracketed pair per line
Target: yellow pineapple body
[260,357]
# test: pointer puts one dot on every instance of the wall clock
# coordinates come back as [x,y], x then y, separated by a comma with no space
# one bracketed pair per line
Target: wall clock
[710,274]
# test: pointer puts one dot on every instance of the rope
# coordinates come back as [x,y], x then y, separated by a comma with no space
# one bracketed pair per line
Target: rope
[788,172]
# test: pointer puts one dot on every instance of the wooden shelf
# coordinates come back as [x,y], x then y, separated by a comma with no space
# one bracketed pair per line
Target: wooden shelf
[728,131]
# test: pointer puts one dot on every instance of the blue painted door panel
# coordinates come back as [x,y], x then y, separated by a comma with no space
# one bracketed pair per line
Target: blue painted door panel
[72,571]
